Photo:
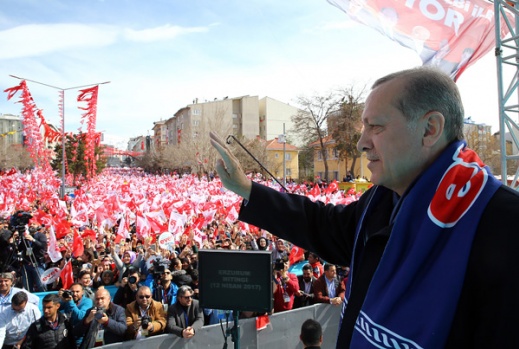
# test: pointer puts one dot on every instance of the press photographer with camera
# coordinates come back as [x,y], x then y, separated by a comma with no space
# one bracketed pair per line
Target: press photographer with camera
[105,323]
[285,286]
[28,252]
[75,305]
[145,317]
[129,285]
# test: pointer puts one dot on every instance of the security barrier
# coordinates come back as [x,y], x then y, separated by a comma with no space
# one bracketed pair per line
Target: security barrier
[282,332]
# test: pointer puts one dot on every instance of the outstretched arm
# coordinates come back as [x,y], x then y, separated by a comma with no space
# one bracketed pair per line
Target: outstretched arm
[229,169]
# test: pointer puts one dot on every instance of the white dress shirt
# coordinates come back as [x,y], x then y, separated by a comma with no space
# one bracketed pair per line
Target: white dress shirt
[14,324]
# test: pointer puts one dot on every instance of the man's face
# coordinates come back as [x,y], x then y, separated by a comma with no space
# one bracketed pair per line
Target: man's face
[186,299]
[77,293]
[5,285]
[102,299]
[166,275]
[311,259]
[331,272]
[307,275]
[393,146]
[19,308]
[143,298]
[106,264]
[49,310]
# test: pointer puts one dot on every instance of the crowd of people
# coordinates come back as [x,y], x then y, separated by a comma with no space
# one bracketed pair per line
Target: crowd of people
[157,285]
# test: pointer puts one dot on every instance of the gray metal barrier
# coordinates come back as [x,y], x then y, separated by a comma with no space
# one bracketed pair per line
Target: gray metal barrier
[282,332]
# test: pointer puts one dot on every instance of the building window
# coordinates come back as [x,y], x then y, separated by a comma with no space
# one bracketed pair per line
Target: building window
[275,155]
[335,153]
[319,155]
[288,156]
[288,172]
[196,123]
[196,111]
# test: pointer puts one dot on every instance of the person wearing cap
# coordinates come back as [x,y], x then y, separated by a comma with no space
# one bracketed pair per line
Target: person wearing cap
[15,321]
[7,291]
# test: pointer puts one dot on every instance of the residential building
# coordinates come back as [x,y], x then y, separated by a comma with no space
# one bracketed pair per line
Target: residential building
[277,155]
[275,118]
[337,168]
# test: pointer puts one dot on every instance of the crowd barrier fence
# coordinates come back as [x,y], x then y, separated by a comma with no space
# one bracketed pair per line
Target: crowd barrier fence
[282,332]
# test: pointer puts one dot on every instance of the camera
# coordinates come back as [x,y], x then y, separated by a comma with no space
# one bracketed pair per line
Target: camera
[19,220]
[99,313]
[145,321]
[158,267]
[67,294]
[279,264]
[132,280]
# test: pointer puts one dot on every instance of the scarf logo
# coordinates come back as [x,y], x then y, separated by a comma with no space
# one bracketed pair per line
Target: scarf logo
[459,188]
[380,336]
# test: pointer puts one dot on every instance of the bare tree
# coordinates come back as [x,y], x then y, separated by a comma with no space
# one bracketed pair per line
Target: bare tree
[15,156]
[347,126]
[310,122]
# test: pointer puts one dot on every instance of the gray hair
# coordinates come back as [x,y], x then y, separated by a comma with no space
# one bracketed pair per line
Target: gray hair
[183,290]
[429,89]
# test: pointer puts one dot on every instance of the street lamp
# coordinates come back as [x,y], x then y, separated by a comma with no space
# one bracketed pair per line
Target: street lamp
[62,91]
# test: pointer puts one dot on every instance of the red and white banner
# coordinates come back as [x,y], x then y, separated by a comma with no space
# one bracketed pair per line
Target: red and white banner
[449,34]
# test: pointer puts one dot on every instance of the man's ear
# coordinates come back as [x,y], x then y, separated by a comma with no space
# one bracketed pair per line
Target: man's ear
[434,123]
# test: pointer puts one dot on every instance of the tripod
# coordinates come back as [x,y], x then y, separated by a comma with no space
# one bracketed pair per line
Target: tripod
[20,263]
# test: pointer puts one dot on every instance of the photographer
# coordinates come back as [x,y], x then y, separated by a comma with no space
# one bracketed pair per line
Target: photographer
[129,284]
[34,246]
[285,286]
[144,317]
[105,323]
[75,305]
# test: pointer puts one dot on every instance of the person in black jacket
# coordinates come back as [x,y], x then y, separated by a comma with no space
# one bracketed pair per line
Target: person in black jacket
[105,316]
[432,245]
[53,330]
[305,296]
[34,246]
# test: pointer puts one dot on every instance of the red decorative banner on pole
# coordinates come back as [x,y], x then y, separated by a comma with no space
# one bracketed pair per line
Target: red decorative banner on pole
[89,96]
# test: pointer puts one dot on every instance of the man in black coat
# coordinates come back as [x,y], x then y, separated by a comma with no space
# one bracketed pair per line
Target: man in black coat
[53,330]
[435,213]
[103,324]
[305,296]
[185,316]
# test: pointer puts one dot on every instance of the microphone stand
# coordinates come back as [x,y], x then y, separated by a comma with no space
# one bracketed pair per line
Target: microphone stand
[229,141]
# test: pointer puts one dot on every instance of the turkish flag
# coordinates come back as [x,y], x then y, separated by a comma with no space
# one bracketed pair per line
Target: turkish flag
[332,187]
[67,278]
[77,245]
[296,254]
[316,191]
[262,322]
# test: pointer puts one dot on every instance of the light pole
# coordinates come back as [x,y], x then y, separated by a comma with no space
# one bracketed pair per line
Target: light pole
[62,92]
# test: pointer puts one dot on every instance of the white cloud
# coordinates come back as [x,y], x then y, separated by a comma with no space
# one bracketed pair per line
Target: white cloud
[162,33]
[36,39]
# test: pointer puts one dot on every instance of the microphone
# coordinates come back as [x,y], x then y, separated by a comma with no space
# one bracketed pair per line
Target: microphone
[229,141]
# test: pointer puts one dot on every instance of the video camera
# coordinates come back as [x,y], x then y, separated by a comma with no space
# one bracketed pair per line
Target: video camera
[158,267]
[19,220]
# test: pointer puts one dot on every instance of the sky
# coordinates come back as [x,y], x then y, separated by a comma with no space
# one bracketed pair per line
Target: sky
[160,55]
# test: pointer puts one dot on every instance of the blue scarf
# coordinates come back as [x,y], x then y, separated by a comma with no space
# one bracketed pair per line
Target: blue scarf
[413,295]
